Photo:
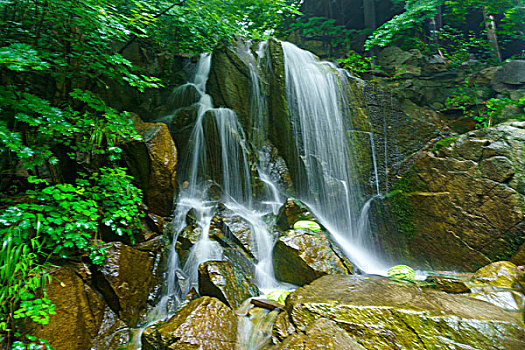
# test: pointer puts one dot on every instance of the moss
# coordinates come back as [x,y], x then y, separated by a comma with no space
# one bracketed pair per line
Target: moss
[444,143]
[401,205]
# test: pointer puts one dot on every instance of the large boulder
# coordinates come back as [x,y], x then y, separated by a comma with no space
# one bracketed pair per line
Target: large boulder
[510,76]
[301,256]
[152,162]
[461,206]
[205,323]
[79,310]
[226,282]
[382,314]
[322,334]
[125,280]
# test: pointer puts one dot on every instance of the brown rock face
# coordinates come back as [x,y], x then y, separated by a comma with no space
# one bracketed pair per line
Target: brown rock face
[79,312]
[125,280]
[226,282]
[382,314]
[205,323]
[152,162]
[462,206]
[229,82]
[301,256]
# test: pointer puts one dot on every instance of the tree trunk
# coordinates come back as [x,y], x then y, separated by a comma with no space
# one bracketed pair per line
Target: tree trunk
[490,26]
[369,7]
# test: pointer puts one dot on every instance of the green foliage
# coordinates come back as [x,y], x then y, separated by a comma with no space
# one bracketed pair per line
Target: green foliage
[416,13]
[458,46]
[21,281]
[484,113]
[68,216]
[357,64]
[195,26]
[453,39]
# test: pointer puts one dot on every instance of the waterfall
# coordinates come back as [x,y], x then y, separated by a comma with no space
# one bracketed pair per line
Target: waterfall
[319,119]
[218,165]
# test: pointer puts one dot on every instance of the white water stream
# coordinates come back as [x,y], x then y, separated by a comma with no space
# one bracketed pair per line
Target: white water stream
[315,101]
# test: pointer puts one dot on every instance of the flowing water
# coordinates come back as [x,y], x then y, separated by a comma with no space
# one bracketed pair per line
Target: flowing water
[218,166]
[316,106]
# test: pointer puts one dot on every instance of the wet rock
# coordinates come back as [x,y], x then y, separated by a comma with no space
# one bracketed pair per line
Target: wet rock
[125,280]
[282,328]
[381,314]
[499,284]
[281,130]
[322,334]
[205,323]
[229,82]
[113,332]
[301,256]
[503,274]
[461,207]
[226,282]
[79,312]
[292,211]
[152,162]
[448,284]
[236,229]
[181,124]
[185,240]
[259,323]
[266,304]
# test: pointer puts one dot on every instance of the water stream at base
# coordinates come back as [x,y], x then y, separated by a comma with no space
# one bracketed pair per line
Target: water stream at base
[218,157]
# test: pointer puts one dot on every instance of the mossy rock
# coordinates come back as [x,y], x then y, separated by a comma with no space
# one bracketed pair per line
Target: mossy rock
[381,314]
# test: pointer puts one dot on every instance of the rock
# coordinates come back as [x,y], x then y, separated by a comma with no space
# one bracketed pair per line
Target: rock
[510,76]
[499,284]
[381,314]
[152,162]
[181,125]
[282,328]
[299,257]
[393,58]
[322,334]
[125,280]
[226,282]
[502,274]
[229,82]
[236,229]
[281,130]
[113,333]
[256,329]
[185,240]
[205,323]
[448,284]
[79,312]
[292,211]
[266,304]
[461,207]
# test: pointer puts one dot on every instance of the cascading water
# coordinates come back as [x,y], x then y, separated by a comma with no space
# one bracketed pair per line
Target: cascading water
[329,186]
[217,166]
